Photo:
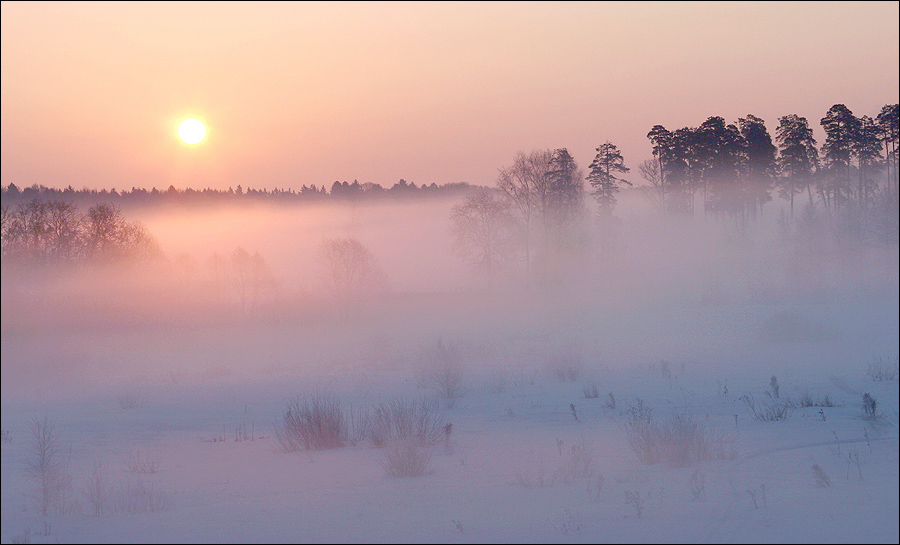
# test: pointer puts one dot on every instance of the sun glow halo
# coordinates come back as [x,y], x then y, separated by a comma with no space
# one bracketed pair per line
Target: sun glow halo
[192,131]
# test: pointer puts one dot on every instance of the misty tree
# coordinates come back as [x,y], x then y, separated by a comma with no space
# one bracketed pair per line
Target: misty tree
[565,190]
[351,273]
[65,230]
[867,149]
[841,131]
[524,184]
[798,157]
[761,160]
[241,281]
[111,238]
[889,133]
[485,233]
[603,177]
[650,171]
[677,166]
[54,232]
[46,465]
[247,279]
[720,153]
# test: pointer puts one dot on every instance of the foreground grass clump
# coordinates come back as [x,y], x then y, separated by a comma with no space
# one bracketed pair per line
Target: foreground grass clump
[314,423]
[398,419]
[407,459]
[680,441]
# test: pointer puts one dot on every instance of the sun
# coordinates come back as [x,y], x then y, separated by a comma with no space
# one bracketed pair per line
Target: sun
[192,131]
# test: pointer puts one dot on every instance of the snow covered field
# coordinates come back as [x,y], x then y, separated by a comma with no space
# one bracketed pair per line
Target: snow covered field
[747,385]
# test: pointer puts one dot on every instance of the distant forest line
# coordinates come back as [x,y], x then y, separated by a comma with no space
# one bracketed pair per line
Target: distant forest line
[734,167]
[140,197]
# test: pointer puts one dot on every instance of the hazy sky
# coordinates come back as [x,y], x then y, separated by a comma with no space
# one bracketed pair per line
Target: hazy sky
[309,93]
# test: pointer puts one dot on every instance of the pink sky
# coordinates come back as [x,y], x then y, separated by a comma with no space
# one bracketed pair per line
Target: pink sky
[309,93]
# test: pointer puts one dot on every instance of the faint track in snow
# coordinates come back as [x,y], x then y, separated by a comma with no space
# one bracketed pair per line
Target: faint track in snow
[842,384]
[714,534]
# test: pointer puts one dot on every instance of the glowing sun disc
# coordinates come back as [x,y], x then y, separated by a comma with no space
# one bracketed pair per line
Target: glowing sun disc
[192,131]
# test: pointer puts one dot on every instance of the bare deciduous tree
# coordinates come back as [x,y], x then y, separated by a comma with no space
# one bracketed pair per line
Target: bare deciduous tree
[244,281]
[649,169]
[484,232]
[46,465]
[526,184]
[352,273]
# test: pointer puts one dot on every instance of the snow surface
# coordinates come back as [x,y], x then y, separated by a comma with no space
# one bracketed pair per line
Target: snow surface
[172,397]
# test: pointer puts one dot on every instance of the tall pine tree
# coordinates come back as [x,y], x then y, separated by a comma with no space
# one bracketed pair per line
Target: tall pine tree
[603,176]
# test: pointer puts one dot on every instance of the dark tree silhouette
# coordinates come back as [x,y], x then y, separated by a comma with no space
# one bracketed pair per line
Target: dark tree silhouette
[841,132]
[798,157]
[761,159]
[720,151]
[890,134]
[867,149]
[603,176]
[566,190]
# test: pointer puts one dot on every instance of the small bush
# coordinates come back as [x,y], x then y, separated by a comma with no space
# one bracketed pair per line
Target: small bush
[807,400]
[566,368]
[768,413]
[315,423]
[679,442]
[442,371]
[137,497]
[591,391]
[406,459]
[578,464]
[398,419]
[883,370]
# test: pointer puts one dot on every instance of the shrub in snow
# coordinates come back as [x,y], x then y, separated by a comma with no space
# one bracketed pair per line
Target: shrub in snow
[680,441]
[566,367]
[579,463]
[314,423]
[441,370]
[406,459]
[138,497]
[881,369]
[399,419]
[767,413]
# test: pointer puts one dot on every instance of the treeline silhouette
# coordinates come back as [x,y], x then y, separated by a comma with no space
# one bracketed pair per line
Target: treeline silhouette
[736,167]
[140,197]
[57,233]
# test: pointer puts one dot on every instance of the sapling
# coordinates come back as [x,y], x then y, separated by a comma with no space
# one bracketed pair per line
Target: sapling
[46,464]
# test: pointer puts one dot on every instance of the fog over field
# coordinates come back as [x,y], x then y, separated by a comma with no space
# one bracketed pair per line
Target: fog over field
[449,272]
[674,288]
[156,366]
